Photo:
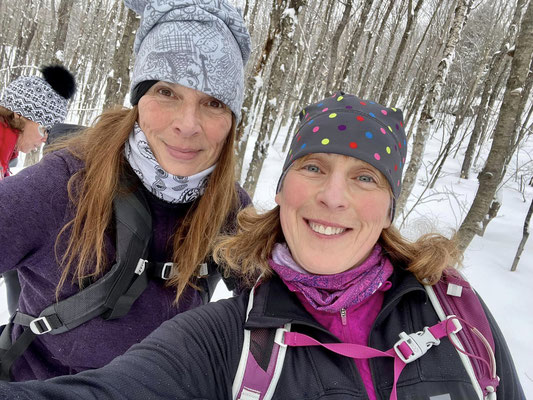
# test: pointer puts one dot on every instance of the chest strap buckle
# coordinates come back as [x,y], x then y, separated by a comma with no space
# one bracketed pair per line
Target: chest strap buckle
[412,346]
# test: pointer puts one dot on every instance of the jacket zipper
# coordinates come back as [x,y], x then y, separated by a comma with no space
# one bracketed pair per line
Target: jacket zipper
[343,316]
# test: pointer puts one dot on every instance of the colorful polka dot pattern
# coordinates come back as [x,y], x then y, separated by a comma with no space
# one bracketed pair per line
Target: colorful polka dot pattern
[364,129]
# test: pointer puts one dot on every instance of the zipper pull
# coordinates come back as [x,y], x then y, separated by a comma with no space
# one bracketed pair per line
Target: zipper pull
[343,316]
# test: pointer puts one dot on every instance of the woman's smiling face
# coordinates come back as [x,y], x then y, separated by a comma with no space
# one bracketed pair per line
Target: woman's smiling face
[185,128]
[332,211]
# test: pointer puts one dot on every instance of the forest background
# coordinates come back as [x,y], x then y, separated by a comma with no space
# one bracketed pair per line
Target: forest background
[460,69]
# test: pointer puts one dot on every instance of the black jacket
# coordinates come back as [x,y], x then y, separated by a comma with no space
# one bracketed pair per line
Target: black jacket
[195,356]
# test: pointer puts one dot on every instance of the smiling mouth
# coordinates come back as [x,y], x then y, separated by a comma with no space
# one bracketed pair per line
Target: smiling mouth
[326,230]
[180,153]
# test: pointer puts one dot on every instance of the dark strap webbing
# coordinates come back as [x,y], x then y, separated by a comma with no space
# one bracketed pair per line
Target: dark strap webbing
[110,296]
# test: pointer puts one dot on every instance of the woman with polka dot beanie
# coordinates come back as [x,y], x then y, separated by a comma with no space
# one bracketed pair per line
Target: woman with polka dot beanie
[339,289]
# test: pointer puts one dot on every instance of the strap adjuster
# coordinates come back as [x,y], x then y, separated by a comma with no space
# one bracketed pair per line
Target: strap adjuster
[279,338]
[141,266]
[418,343]
[40,326]
[166,270]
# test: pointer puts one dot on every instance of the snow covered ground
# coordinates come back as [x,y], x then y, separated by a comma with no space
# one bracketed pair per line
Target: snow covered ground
[509,295]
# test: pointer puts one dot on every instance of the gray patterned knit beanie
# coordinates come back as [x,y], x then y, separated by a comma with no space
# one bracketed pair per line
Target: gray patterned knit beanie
[200,44]
[41,100]
[345,124]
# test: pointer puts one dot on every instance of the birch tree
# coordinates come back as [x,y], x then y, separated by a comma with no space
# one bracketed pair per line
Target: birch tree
[492,174]
[433,98]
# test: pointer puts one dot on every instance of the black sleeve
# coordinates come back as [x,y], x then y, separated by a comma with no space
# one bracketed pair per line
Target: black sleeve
[192,356]
[509,387]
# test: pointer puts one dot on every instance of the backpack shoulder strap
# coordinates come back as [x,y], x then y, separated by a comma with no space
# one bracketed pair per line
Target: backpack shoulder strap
[453,295]
[262,356]
[110,296]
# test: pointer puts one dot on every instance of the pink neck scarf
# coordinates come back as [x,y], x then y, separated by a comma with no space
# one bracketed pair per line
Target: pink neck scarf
[331,293]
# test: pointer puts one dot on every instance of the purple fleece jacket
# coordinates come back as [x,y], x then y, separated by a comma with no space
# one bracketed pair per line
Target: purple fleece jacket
[33,208]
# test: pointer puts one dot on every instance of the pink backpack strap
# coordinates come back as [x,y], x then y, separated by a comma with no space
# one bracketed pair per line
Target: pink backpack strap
[454,296]
[409,348]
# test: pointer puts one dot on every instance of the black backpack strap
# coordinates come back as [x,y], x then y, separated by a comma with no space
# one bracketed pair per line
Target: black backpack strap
[110,296]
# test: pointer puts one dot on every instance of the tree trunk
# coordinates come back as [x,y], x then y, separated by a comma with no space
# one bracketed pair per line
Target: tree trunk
[354,43]
[464,108]
[496,69]
[118,83]
[284,55]
[492,174]
[525,236]
[434,96]
[412,15]
[335,43]
[63,18]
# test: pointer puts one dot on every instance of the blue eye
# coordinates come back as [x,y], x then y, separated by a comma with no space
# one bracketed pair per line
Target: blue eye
[312,168]
[366,178]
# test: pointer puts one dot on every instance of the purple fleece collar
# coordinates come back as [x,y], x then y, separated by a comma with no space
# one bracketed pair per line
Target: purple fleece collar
[331,293]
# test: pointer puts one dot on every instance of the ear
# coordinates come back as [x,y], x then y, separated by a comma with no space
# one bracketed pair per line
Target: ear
[277,199]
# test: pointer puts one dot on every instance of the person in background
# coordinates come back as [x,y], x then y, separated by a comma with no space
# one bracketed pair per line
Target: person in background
[61,132]
[29,107]
[174,149]
[335,271]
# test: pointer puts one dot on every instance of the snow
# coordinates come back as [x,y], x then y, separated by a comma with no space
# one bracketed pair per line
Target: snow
[258,83]
[60,56]
[488,259]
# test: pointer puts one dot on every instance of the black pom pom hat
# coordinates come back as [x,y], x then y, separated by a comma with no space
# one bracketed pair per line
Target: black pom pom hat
[345,124]
[41,100]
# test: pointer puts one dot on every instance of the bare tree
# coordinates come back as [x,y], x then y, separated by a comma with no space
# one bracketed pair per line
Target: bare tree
[525,236]
[496,69]
[433,98]
[63,18]
[288,13]
[119,81]
[412,14]
[492,174]
[335,42]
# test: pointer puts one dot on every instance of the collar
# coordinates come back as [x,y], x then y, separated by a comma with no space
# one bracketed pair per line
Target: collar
[168,187]
[274,305]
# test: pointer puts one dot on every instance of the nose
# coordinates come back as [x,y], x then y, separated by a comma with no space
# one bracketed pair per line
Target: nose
[333,194]
[186,120]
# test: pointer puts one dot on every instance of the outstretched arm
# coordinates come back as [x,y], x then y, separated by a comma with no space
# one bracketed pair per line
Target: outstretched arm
[192,356]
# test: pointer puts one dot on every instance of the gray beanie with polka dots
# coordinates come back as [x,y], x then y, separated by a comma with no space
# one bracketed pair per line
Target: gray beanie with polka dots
[363,129]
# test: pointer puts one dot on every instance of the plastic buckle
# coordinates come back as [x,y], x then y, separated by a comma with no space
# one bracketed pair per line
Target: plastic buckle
[203,271]
[418,342]
[455,322]
[280,336]
[165,271]
[141,266]
[36,326]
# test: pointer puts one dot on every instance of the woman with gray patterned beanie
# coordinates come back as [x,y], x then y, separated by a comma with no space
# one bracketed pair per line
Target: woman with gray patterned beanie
[29,106]
[171,155]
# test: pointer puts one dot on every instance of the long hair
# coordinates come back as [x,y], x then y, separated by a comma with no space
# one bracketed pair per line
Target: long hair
[93,188]
[10,118]
[246,254]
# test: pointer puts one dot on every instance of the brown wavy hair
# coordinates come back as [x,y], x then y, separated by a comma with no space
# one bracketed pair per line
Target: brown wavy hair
[246,254]
[10,118]
[93,188]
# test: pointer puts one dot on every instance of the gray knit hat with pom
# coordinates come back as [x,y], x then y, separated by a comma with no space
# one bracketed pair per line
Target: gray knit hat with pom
[41,100]
[200,44]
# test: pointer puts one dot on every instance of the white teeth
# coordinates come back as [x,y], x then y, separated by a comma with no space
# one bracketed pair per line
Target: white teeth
[325,230]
